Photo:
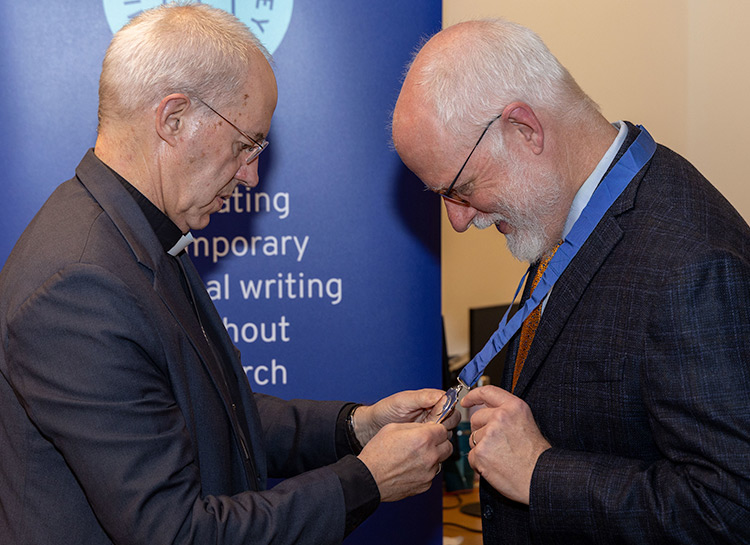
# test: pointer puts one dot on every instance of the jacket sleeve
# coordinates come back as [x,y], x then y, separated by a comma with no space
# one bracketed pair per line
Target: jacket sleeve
[695,386]
[299,434]
[303,434]
[87,362]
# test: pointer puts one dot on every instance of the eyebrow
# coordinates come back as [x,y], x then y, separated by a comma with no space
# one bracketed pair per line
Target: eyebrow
[468,184]
[257,136]
[461,187]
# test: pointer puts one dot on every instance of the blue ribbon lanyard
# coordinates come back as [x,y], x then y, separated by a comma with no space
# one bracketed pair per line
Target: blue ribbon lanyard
[611,187]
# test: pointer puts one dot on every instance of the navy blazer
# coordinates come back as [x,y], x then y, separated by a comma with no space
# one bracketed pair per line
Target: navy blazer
[117,422]
[639,376]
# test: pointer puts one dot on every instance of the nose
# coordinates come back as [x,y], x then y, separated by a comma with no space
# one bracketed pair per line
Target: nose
[247,175]
[459,215]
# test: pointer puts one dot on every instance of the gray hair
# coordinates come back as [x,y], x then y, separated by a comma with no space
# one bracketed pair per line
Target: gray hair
[181,47]
[495,63]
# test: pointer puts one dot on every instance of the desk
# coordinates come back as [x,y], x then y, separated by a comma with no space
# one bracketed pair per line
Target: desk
[452,504]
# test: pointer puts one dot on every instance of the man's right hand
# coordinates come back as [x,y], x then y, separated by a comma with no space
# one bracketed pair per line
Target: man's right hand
[404,458]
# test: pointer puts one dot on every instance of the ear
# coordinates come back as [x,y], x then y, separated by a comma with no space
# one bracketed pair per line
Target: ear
[525,122]
[170,117]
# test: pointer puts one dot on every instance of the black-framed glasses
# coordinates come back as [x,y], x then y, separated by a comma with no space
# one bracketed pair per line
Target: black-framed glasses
[450,194]
[254,150]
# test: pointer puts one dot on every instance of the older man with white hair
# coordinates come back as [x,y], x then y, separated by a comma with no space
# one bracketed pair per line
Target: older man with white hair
[624,412]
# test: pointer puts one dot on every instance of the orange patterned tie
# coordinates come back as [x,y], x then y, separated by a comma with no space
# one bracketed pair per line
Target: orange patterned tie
[528,329]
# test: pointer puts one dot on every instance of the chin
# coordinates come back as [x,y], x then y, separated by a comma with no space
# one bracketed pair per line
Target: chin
[199,223]
[529,248]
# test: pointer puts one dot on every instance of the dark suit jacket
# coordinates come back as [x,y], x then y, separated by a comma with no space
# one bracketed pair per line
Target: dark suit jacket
[639,376]
[116,419]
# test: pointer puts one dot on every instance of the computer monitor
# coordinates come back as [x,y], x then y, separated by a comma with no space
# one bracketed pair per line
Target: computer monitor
[483,322]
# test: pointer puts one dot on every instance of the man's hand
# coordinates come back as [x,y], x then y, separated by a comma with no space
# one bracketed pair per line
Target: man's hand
[402,407]
[506,442]
[404,458]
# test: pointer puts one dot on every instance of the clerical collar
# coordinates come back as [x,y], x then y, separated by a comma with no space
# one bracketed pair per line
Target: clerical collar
[169,235]
[181,244]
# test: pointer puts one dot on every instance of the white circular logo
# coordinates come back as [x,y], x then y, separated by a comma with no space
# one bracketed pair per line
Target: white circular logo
[268,19]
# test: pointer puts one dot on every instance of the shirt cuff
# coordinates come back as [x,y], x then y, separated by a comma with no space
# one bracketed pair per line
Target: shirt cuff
[361,493]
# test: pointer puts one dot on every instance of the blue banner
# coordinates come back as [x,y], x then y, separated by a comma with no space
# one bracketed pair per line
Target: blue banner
[327,275]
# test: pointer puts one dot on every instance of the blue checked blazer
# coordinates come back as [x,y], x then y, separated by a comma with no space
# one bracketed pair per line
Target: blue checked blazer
[639,376]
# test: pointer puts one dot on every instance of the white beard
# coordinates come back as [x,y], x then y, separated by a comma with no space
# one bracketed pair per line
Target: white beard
[528,209]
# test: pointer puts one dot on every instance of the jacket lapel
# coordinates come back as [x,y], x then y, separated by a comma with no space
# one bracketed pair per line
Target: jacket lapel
[222,363]
[167,285]
[570,287]
[154,261]
[566,293]
[135,229]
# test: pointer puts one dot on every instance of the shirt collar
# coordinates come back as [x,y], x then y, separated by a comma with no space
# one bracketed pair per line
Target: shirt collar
[587,189]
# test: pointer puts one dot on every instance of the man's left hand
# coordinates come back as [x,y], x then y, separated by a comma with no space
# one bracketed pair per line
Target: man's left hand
[406,406]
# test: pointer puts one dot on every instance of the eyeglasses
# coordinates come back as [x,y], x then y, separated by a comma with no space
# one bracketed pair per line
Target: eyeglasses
[253,151]
[450,194]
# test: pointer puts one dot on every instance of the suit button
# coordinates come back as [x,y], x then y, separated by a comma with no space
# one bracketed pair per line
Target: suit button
[487,512]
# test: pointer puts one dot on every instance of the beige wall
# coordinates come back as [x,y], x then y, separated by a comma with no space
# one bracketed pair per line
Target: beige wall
[679,67]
